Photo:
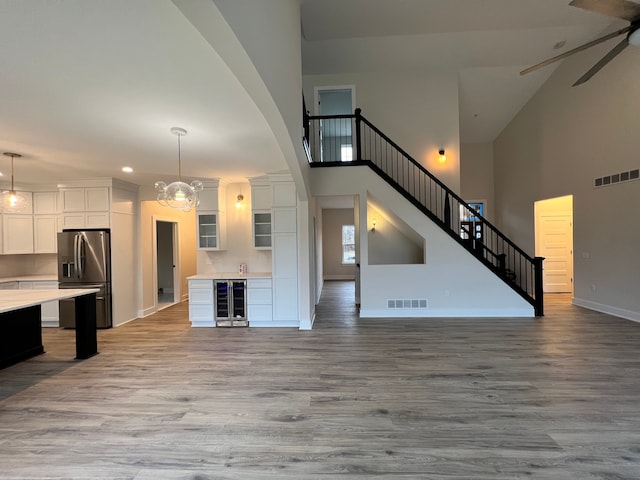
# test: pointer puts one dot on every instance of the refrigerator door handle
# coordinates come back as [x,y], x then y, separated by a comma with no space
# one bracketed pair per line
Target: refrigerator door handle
[79,245]
[75,254]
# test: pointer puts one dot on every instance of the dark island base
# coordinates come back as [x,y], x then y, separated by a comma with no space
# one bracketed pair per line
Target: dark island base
[21,335]
[21,332]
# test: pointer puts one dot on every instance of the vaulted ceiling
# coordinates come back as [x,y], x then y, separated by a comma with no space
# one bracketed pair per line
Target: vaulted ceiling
[91,86]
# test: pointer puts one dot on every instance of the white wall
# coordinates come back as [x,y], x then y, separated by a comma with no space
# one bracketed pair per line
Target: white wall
[319,269]
[476,175]
[392,242]
[417,111]
[36,264]
[332,221]
[451,279]
[560,141]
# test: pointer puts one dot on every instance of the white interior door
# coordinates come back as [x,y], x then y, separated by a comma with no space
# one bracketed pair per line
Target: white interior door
[554,242]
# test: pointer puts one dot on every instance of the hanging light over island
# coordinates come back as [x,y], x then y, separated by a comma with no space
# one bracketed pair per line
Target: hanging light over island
[179,195]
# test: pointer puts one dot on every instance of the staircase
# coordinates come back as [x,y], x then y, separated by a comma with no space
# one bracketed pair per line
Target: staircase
[347,140]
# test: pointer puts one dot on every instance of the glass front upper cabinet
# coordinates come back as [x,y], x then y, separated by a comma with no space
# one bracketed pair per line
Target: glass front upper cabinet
[207,231]
[262,230]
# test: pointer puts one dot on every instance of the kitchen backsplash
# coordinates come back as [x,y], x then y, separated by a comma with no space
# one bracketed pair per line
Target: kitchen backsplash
[37,264]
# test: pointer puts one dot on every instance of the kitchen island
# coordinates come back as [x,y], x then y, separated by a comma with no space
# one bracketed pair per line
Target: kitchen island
[21,325]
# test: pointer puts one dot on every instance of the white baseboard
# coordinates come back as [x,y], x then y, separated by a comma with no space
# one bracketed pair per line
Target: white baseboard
[599,307]
[339,277]
[274,323]
[447,313]
[147,311]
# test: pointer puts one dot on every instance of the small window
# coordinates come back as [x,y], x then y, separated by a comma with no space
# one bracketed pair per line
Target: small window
[346,153]
[348,245]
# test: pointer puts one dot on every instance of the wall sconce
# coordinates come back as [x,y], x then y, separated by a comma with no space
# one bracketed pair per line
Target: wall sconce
[443,157]
[373,225]
[239,200]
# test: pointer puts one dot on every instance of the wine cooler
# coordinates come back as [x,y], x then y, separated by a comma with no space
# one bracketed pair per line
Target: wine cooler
[231,303]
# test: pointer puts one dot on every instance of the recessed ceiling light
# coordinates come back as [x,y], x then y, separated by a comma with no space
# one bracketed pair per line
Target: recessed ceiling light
[1,174]
[127,169]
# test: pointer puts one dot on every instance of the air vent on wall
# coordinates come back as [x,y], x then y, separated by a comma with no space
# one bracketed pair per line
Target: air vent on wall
[407,303]
[617,178]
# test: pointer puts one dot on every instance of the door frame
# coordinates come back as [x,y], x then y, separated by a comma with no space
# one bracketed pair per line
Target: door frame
[538,231]
[176,258]
[318,89]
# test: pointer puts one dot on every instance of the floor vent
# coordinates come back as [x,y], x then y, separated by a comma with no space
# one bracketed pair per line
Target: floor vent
[407,303]
[617,178]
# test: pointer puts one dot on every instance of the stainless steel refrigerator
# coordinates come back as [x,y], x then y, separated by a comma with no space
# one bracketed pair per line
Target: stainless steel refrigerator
[84,261]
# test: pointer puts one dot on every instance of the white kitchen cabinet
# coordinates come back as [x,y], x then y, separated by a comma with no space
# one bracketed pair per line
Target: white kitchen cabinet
[97,199]
[259,301]
[85,220]
[283,194]
[72,199]
[49,312]
[45,234]
[17,233]
[209,197]
[45,203]
[210,218]
[89,199]
[260,195]
[85,207]
[201,303]
[261,228]
[261,213]
[284,220]
[208,231]
[285,251]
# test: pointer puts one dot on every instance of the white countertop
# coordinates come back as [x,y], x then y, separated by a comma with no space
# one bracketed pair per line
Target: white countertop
[30,278]
[228,276]
[16,299]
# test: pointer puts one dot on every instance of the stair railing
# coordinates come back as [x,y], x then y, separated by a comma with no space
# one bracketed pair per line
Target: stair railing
[332,140]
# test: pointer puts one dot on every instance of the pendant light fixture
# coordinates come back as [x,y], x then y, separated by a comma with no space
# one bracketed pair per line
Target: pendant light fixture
[179,195]
[12,201]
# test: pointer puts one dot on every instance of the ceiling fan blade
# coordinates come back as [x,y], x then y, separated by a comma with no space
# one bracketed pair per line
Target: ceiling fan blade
[576,50]
[603,61]
[623,9]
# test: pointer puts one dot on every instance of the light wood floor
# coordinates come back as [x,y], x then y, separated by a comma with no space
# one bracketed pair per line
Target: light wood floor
[550,398]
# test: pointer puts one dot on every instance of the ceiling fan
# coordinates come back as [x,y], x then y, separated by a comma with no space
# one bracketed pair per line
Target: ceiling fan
[622,9]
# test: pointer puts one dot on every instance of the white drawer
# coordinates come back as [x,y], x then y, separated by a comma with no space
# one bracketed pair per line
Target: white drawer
[201,313]
[259,313]
[201,284]
[201,296]
[259,296]
[258,283]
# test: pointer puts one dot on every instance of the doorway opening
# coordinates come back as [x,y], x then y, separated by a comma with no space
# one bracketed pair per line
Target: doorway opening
[166,280]
[335,138]
[554,242]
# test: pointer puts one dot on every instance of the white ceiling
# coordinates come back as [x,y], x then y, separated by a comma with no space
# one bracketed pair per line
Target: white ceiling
[89,86]
[487,42]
